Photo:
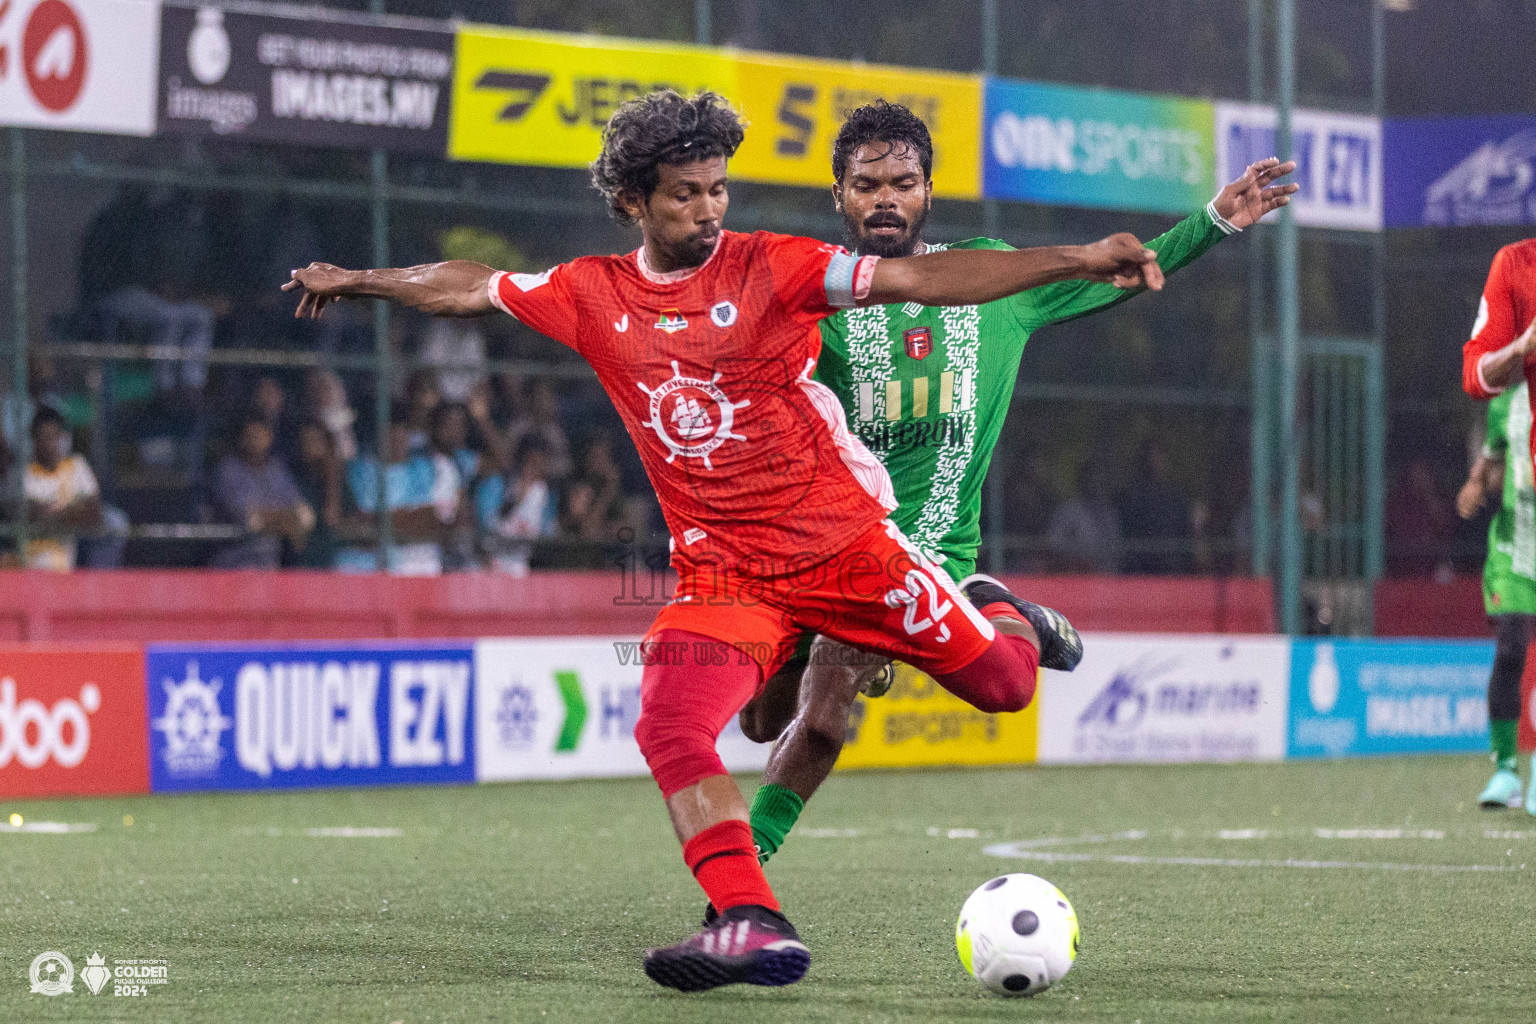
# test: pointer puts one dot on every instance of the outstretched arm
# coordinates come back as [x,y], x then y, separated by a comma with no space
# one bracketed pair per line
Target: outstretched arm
[968,277]
[454,288]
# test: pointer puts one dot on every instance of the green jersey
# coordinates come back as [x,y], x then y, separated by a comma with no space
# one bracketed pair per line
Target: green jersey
[926,388]
[1509,575]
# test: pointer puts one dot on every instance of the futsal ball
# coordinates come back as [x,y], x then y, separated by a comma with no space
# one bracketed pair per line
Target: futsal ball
[1017,935]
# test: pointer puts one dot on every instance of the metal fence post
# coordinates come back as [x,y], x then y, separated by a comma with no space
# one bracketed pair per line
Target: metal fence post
[1261,427]
[992,227]
[703,27]
[1288,321]
[383,377]
[19,331]
[1375,391]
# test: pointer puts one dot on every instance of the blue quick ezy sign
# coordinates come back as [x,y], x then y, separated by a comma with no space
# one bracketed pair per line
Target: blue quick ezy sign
[297,715]
[1339,162]
[1388,697]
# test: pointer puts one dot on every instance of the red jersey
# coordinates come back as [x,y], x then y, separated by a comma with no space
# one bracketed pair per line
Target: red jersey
[710,369]
[1507,309]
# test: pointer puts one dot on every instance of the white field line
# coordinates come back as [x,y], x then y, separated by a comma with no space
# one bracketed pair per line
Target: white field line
[348,832]
[1014,851]
[49,827]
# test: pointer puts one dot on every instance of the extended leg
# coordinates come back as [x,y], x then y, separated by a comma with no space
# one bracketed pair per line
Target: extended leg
[685,702]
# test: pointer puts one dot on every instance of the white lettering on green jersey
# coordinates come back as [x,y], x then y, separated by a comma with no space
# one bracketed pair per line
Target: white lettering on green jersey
[1509,574]
[927,388]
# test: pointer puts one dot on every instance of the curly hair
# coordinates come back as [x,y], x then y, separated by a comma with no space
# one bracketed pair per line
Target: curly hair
[662,128]
[889,123]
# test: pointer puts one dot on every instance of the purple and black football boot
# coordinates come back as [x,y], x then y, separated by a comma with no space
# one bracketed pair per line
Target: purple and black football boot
[748,945]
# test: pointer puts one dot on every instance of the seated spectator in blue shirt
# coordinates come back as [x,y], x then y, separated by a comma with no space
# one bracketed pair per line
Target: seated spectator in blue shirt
[517,507]
[421,490]
[253,489]
[449,436]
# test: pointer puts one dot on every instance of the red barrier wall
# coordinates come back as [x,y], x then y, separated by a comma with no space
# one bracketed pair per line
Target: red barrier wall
[1422,607]
[147,606]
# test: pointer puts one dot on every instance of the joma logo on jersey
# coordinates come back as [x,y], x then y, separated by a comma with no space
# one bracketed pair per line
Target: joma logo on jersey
[919,341]
[671,321]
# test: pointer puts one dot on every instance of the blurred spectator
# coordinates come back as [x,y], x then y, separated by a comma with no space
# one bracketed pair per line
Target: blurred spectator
[594,503]
[1085,530]
[422,495]
[268,404]
[1028,507]
[517,506]
[504,396]
[1155,516]
[325,400]
[422,397]
[450,438]
[253,488]
[320,481]
[456,350]
[61,494]
[495,453]
[540,414]
[1420,522]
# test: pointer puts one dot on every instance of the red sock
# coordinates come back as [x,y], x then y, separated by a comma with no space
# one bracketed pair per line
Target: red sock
[1001,609]
[724,860]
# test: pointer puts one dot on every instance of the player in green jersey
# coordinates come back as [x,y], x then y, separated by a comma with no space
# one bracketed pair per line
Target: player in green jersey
[927,389]
[1509,579]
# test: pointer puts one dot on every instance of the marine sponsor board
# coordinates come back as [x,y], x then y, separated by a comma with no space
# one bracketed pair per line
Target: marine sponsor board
[795,108]
[72,721]
[920,723]
[1461,171]
[564,708]
[1351,697]
[304,80]
[79,65]
[1098,148]
[543,98]
[1168,698]
[259,717]
[1339,161]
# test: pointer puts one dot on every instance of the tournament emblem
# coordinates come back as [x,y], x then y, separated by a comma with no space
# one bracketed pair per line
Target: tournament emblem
[692,417]
[95,974]
[671,321]
[52,974]
[919,341]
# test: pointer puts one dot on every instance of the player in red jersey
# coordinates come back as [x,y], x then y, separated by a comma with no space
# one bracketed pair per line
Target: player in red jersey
[705,341]
[1503,344]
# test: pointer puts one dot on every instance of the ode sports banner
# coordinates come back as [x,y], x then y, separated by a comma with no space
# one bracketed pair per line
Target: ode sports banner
[72,721]
[919,723]
[795,108]
[79,65]
[307,81]
[283,715]
[542,98]
[1056,144]
[1339,161]
[1148,698]
[564,708]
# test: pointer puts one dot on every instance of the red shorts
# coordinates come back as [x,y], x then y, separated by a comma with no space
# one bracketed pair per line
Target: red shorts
[880,593]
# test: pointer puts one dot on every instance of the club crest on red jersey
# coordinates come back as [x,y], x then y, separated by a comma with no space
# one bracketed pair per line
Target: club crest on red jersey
[692,417]
[919,341]
[671,321]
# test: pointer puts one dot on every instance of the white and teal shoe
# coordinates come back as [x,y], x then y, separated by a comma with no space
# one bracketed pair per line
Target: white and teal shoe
[1503,790]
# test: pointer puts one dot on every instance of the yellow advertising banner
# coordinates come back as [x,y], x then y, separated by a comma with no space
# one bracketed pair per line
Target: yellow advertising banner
[918,724]
[542,98]
[796,107]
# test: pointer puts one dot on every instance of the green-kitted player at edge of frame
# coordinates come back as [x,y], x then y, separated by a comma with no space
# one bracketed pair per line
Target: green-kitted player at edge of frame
[1509,580]
[926,388]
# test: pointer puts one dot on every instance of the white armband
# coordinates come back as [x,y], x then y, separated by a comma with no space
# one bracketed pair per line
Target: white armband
[1223,225]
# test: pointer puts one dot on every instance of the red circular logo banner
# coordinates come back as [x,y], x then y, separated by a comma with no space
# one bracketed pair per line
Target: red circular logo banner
[53,53]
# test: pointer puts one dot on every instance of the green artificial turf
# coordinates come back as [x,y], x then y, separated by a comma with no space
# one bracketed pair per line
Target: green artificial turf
[533,902]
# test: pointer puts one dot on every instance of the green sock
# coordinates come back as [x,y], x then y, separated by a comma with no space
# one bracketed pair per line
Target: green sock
[1502,733]
[774,810]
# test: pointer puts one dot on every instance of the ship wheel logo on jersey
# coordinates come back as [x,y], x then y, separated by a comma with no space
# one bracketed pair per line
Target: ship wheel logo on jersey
[692,417]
